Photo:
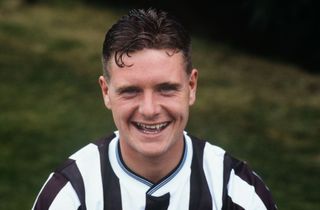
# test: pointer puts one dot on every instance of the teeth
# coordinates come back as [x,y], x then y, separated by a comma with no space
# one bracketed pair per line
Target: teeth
[152,127]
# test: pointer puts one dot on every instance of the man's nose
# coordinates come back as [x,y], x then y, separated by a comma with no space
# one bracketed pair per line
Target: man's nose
[149,106]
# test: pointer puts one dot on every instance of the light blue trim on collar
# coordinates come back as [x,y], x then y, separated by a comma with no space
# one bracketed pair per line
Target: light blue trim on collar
[144,181]
[169,178]
[154,187]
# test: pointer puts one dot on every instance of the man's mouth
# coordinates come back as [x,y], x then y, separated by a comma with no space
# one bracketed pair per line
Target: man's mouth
[151,128]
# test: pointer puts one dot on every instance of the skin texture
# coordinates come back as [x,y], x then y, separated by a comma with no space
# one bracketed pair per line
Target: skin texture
[150,99]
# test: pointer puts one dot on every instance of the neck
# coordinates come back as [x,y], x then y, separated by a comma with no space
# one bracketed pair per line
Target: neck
[153,168]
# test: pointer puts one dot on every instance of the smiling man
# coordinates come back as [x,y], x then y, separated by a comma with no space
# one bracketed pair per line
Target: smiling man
[151,163]
[150,98]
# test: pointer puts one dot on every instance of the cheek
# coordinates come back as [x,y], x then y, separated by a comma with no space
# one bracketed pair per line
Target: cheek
[122,112]
[178,108]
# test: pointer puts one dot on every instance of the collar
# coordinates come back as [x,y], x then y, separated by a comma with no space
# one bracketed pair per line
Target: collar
[169,183]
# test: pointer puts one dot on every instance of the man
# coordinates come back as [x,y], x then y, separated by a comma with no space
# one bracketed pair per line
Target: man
[151,162]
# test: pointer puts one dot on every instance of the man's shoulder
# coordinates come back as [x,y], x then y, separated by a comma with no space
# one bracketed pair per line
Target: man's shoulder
[93,147]
[213,155]
[213,152]
[104,141]
[88,153]
[206,146]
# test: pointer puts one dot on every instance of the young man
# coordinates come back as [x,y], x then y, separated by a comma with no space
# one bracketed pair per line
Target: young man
[151,163]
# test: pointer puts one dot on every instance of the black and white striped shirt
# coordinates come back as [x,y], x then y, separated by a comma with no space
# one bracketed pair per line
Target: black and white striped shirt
[96,178]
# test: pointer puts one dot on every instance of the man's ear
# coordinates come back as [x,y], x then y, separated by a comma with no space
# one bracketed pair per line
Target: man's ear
[193,79]
[105,91]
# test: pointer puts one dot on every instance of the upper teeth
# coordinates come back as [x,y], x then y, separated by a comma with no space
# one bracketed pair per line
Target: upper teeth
[153,127]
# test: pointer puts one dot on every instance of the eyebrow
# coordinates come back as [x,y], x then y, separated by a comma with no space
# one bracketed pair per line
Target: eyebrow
[127,88]
[169,85]
[165,85]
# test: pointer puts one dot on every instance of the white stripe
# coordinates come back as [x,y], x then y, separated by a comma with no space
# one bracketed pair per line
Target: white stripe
[88,162]
[213,157]
[179,187]
[243,194]
[66,199]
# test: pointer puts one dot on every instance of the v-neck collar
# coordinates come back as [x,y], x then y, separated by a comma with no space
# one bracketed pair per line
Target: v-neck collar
[153,186]
[124,173]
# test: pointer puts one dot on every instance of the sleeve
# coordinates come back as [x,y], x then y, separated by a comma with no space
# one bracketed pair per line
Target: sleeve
[246,190]
[56,194]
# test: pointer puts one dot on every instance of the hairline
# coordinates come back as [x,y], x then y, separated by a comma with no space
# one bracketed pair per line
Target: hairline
[106,63]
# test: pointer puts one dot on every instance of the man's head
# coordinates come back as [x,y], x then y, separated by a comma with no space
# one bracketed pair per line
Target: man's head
[145,29]
[149,85]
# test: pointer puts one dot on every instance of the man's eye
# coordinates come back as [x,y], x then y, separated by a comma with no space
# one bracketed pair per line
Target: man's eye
[167,90]
[129,92]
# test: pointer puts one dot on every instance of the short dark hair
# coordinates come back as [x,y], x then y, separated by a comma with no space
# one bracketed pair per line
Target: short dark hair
[145,29]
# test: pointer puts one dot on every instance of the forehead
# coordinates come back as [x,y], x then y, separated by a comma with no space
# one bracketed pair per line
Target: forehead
[149,61]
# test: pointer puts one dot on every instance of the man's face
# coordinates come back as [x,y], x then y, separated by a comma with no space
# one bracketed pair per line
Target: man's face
[149,100]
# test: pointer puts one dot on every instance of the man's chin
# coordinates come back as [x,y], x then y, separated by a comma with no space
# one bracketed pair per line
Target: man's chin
[152,152]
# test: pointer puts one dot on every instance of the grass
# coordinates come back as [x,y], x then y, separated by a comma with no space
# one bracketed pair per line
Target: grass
[262,111]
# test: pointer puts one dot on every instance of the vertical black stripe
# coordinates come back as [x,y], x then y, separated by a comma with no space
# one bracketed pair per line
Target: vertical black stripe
[111,186]
[72,173]
[50,191]
[228,164]
[200,197]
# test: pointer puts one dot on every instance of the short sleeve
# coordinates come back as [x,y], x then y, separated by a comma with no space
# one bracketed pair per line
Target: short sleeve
[56,194]
[246,190]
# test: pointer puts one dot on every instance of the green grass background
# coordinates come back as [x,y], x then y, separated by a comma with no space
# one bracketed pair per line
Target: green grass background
[261,111]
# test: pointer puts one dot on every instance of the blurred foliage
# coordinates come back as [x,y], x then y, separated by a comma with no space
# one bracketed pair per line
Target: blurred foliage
[285,30]
[263,111]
